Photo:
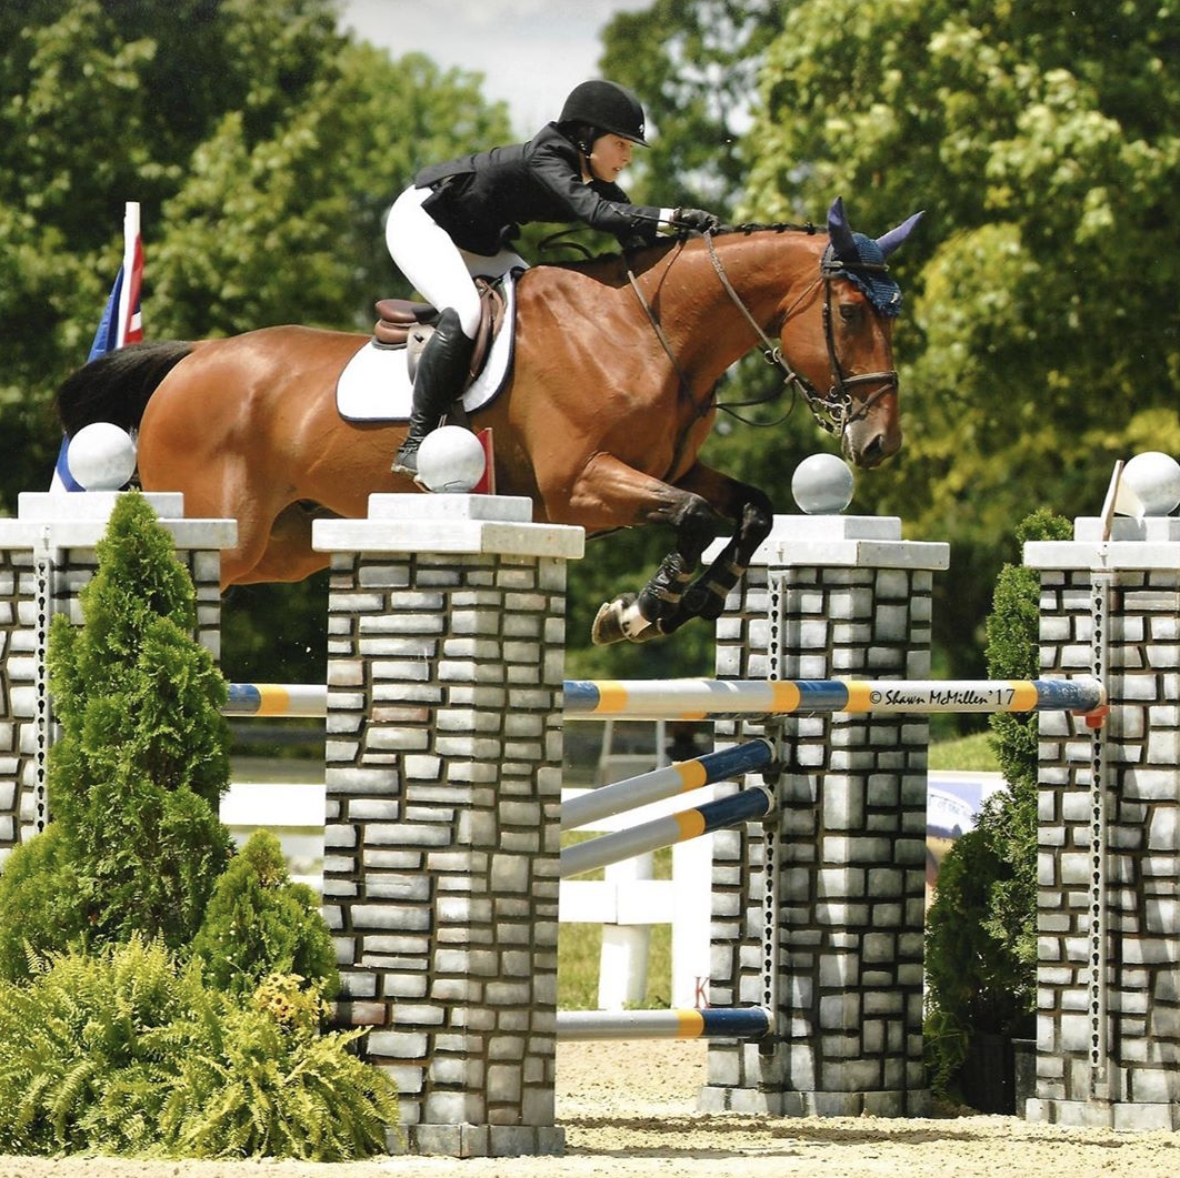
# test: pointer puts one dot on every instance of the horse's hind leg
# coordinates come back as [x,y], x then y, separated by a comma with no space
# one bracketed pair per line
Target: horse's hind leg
[288,555]
[274,538]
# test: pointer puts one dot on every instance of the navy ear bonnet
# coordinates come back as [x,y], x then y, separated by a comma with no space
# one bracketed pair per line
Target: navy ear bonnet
[877,285]
[861,259]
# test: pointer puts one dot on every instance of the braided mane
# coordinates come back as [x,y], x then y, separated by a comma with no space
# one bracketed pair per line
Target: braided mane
[749,227]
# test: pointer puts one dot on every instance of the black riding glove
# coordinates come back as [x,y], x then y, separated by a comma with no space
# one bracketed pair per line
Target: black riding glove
[696,219]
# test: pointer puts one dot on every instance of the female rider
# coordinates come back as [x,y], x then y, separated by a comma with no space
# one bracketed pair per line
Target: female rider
[459,218]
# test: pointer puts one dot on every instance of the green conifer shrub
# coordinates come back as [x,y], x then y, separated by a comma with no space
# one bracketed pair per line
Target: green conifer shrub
[38,901]
[122,1051]
[981,954]
[258,923]
[149,1002]
[135,779]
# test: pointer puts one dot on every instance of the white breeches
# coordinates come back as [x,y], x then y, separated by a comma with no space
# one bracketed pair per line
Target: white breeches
[441,272]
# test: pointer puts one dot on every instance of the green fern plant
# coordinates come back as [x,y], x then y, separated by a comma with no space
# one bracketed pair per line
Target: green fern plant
[268,1084]
[122,1051]
[77,1068]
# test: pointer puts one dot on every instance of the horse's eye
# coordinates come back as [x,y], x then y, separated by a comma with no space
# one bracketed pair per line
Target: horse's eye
[850,312]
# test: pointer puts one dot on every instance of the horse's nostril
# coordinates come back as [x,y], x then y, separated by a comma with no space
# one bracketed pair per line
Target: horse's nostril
[873,454]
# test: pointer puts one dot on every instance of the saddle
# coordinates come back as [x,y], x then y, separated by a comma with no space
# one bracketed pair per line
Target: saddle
[403,323]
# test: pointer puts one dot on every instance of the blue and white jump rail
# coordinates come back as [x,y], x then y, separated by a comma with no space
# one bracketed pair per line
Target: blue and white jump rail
[277,699]
[698,699]
[751,1022]
[748,805]
[609,800]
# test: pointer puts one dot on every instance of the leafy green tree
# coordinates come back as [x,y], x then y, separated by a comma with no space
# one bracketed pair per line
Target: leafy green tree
[981,933]
[695,66]
[280,229]
[263,144]
[1042,140]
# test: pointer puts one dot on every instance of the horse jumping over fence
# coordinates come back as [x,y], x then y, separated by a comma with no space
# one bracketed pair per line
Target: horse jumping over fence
[611,397]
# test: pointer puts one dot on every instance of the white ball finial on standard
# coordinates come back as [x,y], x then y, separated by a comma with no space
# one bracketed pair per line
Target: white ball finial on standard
[101,457]
[451,460]
[822,485]
[1154,477]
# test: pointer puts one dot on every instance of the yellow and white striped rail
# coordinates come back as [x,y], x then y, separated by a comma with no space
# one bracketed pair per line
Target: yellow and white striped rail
[683,777]
[698,699]
[711,1022]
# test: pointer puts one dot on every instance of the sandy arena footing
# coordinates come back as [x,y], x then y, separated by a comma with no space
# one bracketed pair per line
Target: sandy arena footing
[629,1111]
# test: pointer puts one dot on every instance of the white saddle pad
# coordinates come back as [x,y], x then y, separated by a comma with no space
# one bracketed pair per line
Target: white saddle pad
[376,387]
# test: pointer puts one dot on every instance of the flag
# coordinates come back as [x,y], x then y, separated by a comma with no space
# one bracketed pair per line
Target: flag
[122,322]
[1121,499]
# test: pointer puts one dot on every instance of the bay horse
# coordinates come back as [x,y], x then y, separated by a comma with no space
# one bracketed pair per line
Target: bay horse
[609,401]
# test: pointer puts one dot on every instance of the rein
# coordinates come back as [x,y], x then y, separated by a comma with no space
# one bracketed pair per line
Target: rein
[832,411]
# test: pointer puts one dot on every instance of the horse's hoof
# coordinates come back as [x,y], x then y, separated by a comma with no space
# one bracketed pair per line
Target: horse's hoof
[607,628]
[620,620]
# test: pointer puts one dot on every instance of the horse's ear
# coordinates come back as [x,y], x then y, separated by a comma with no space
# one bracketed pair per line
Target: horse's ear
[895,237]
[843,245]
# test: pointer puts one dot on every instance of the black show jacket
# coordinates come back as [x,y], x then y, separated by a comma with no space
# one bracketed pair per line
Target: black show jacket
[481,199]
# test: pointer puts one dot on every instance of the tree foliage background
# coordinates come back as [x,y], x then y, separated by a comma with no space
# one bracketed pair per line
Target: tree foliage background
[1041,335]
[1040,338]
[264,146]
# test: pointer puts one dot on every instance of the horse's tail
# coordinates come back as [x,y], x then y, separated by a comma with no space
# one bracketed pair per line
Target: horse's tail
[117,387]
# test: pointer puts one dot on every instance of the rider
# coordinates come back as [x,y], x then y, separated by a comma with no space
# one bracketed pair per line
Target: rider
[459,218]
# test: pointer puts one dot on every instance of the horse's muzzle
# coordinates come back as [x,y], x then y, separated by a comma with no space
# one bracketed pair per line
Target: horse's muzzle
[869,448]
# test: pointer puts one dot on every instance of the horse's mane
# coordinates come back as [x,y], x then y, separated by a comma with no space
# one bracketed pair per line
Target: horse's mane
[641,259]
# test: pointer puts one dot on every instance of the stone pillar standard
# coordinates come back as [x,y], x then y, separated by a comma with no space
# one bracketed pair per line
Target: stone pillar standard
[822,916]
[1108,975]
[444,760]
[47,556]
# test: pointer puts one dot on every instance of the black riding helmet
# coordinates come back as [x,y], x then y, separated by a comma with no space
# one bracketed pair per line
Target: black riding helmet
[607,107]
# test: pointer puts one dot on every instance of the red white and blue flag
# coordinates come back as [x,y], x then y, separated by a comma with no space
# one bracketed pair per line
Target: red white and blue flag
[121,323]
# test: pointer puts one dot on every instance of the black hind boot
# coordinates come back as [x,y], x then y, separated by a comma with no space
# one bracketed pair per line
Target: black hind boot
[441,376]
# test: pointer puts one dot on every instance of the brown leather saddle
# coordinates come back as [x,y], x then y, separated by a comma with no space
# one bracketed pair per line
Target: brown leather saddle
[403,323]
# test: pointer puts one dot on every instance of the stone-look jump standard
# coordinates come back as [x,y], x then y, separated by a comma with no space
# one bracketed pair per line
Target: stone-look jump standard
[446,652]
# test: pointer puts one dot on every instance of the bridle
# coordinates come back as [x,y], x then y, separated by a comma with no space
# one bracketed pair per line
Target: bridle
[833,411]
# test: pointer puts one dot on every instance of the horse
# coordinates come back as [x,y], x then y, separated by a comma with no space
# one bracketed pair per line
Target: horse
[609,400]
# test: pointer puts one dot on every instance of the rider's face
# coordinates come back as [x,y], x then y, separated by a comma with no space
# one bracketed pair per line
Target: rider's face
[609,155]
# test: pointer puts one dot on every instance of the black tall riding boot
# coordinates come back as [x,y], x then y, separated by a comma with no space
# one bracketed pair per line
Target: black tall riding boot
[441,375]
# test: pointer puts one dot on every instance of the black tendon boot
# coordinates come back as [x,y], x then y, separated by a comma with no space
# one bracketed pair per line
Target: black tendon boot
[441,375]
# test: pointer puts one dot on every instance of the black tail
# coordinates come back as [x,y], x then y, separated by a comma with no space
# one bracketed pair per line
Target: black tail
[117,387]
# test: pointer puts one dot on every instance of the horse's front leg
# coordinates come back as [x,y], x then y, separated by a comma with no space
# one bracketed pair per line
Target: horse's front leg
[610,494]
[753,513]
[658,609]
